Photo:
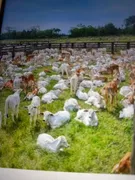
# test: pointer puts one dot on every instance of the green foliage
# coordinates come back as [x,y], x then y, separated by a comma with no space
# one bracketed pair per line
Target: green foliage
[130,21]
[92,149]
[79,31]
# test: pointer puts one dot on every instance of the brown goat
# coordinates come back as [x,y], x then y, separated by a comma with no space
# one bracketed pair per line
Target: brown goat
[124,165]
[109,91]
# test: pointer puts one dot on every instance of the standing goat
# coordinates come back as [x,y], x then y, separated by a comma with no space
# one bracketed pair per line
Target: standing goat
[109,91]
[12,102]
[34,109]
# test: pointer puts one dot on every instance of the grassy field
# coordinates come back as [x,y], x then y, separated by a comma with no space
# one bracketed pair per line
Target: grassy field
[92,149]
[80,39]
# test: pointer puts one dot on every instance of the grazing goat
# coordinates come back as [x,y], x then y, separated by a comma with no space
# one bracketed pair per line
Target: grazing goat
[124,165]
[12,102]
[47,142]
[34,109]
[56,120]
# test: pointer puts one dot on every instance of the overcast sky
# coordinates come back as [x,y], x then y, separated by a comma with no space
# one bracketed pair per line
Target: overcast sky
[64,14]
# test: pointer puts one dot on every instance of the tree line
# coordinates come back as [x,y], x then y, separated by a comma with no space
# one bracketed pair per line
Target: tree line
[78,31]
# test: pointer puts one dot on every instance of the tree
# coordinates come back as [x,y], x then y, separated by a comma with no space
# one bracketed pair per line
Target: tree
[9,29]
[130,21]
[110,29]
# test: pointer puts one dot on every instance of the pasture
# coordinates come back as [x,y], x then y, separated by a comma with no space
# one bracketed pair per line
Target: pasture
[92,149]
[79,39]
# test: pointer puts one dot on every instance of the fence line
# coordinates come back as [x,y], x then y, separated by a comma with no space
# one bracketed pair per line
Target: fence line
[31,46]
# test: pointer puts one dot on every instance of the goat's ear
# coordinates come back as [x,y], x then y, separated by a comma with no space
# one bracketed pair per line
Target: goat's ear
[86,110]
[51,114]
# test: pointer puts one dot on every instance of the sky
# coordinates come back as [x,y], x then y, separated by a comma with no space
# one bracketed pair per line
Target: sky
[65,14]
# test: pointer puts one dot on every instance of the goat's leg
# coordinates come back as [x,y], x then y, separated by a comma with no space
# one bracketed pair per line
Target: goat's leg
[35,118]
[13,115]
[115,99]
[67,73]
[38,112]
[5,120]
[17,111]
[30,120]
[111,101]
[71,88]
[62,72]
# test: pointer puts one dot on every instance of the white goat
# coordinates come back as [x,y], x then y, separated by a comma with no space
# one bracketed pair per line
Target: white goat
[125,90]
[86,84]
[64,68]
[87,117]
[42,74]
[127,112]
[56,120]
[60,85]
[42,90]
[48,97]
[74,83]
[12,102]
[81,95]
[55,77]
[71,105]
[16,83]
[1,83]
[99,102]
[47,142]
[34,109]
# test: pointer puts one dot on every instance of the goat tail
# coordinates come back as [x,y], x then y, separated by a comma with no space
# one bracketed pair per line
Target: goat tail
[6,109]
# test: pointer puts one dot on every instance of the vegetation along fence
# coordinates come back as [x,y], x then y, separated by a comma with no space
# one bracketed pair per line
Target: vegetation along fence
[29,47]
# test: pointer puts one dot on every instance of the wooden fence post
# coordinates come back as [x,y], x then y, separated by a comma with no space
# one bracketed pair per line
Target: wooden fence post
[13,52]
[128,45]
[60,46]
[98,45]
[133,146]
[72,45]
[112,47]
[0,52]
[49,45]
[85,45]
[25,48]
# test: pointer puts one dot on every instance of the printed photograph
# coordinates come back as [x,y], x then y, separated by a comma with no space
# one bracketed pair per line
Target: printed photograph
[67,86]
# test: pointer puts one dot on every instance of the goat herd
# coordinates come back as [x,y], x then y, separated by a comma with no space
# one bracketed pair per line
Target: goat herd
[75,69]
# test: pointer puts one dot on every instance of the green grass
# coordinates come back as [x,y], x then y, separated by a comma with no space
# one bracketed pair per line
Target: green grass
[92,149]
[79,39]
